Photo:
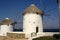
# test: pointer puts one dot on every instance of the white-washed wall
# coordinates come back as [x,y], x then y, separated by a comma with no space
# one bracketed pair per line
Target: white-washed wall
[4,29]
[31,21]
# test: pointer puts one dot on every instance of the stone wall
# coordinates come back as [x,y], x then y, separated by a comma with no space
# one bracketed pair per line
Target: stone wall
[2,37]
[14,36]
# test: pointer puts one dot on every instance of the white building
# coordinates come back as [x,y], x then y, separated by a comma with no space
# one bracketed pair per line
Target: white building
[5,26]
[32,20]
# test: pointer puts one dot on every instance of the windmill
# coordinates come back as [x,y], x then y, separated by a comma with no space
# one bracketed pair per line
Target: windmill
[44,8]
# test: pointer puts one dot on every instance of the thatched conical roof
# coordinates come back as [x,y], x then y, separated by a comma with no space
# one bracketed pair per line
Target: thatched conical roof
[32,9]
[6,21]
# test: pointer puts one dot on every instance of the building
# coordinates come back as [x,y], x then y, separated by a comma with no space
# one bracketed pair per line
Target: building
[32,20]
[32,26]
[5,26]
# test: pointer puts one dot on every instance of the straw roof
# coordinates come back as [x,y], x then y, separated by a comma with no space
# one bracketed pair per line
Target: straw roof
[6,21]
[32,9]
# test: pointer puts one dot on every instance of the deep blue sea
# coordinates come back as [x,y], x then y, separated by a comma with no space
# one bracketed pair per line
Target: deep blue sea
[44,30]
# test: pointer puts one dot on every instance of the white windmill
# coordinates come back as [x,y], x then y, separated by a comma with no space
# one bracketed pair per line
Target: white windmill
[5,27]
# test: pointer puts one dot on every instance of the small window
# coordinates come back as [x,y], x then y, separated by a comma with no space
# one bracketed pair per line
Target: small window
[8,24]
[37,13]
[33,22]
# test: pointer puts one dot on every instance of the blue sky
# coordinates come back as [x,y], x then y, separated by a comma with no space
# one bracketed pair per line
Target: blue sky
[10,8]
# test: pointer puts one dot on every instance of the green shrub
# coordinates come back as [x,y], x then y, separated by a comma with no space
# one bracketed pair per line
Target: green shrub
[59,39]
[56,36]
[45,38]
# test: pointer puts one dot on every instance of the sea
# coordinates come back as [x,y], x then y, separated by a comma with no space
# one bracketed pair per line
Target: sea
[44,30]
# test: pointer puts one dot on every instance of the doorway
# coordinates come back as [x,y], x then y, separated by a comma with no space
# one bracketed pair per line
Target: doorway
[37,29]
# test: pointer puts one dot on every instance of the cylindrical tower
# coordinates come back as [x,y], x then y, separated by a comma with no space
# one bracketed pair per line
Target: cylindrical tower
[32,20]
[5,26]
